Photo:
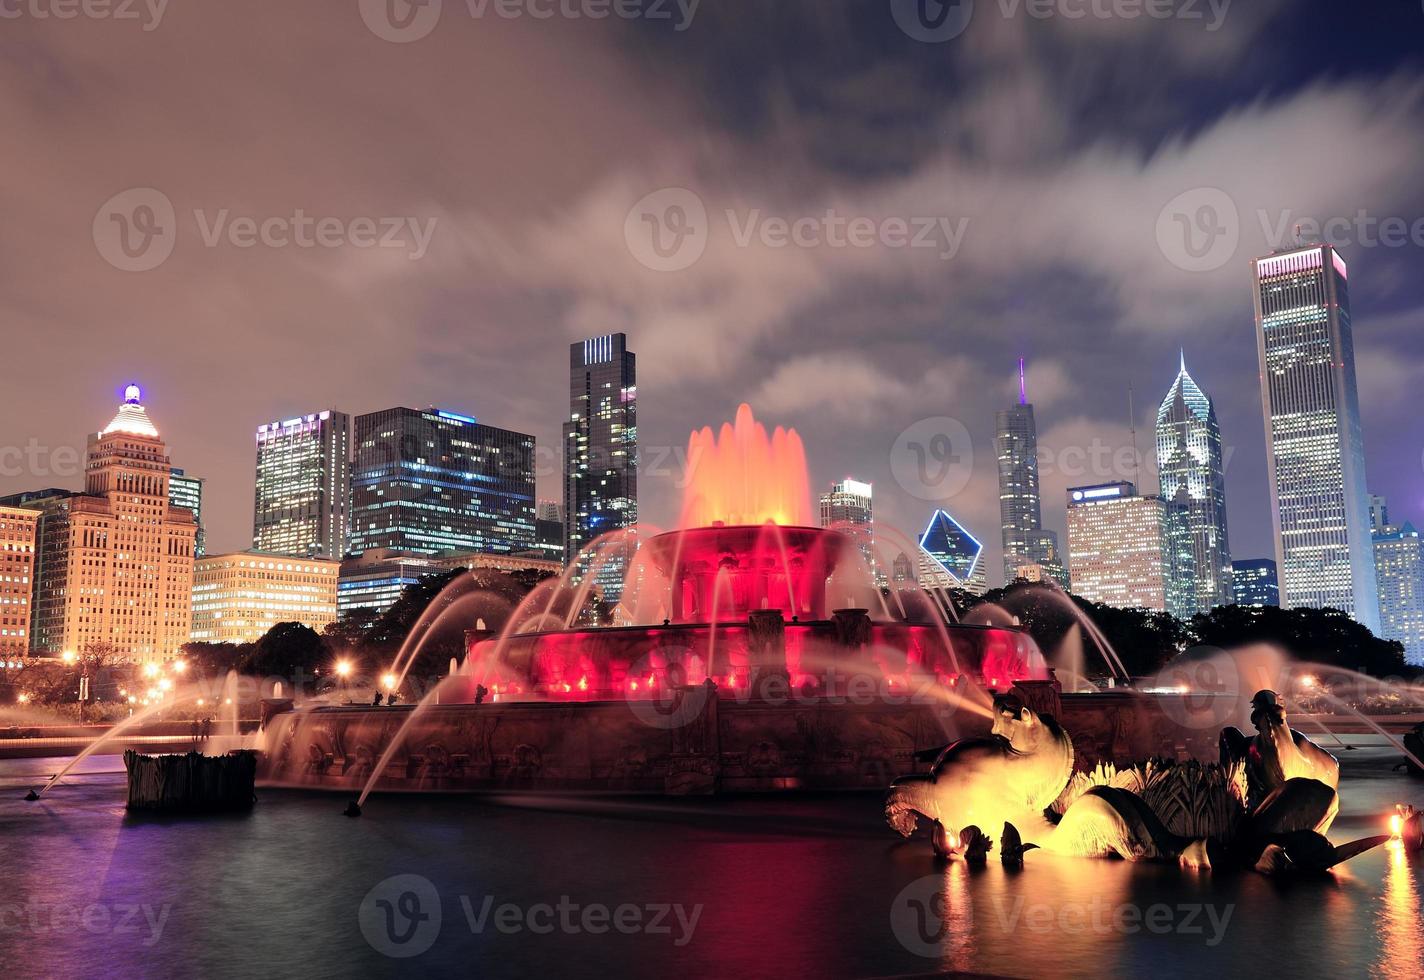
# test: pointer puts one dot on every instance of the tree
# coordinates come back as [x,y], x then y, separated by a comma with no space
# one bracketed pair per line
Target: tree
[288,650]
[1324,636]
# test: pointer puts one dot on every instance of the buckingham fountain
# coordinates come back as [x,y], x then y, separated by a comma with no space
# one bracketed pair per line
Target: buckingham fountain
[750,652]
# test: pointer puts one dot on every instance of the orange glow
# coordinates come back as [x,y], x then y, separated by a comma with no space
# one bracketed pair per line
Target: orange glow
[1396,825]
[744,476]
[583,683]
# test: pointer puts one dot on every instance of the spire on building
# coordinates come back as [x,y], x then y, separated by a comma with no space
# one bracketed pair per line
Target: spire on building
[1023,384]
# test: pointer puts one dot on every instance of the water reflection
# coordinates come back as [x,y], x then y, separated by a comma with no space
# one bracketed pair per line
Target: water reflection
[1400,926]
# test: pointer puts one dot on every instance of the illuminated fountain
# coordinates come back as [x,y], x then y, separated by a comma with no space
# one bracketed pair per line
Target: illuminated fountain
[749,650]
[741,592]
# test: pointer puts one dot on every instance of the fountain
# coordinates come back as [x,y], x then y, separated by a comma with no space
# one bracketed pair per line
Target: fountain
[728,666]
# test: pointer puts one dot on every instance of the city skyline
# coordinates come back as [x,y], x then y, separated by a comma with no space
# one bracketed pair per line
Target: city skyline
[850,346]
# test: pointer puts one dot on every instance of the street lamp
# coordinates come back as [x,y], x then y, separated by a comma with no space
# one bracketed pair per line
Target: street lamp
[343,668]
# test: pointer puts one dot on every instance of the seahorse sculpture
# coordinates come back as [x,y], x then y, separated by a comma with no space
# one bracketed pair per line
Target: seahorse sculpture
[1271,817]
[1011,775]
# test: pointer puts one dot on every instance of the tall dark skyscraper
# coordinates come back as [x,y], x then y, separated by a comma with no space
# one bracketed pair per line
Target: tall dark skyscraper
[433,481]
[1025,540]
[1314,443]
[1192,471]
[601,453]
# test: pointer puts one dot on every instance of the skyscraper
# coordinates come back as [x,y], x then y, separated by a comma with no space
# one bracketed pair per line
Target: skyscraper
[303,486]
[19,529]
[431,481]
[1026,542]
[1314,444]
[601,455]
[1254,583]
[1123,549]
[950,556]
[116,562]
[1399,569]
[187,492]
[1192,471]
[848,508]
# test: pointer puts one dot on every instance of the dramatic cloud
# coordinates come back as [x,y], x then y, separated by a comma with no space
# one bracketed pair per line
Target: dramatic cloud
[881,227]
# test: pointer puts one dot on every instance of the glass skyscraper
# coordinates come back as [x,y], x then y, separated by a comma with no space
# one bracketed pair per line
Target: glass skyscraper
[1399,569]
[303,486]
[957,557]
[1192,472]
[187,492]
[1254,583]
[433,481]
[601,456]
[1026,542]
[1314,443]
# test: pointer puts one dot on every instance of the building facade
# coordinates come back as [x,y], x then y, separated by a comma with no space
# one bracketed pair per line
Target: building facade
[951,557]
[19,532]
[601,458]
[303,486]
[1123,548]
[116,562]
[1254,583]
[1192,471]
[187,492]
[849,508]
[1399,567]
[238,597]
[431,481]
[1028,546]
[1314,441]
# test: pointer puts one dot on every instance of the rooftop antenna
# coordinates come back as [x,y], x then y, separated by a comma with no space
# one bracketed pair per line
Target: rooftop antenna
[1023,385]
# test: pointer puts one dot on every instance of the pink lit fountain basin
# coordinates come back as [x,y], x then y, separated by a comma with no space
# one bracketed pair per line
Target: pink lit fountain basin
[752,685]
[746,602]
[746,678]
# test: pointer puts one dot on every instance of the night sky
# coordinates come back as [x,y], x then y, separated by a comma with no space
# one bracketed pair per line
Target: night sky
[1055,144]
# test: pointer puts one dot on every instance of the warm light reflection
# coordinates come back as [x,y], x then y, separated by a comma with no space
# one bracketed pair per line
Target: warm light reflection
[1403,941]
[742,475]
